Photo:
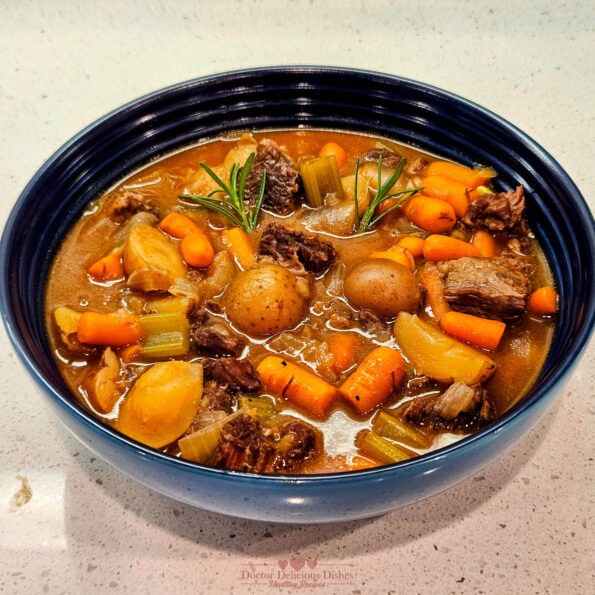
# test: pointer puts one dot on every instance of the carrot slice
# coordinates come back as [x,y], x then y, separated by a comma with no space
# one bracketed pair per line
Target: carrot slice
[453,192]
[430,214]
[197,249]
[482,332]
[286,379]
[108,268]
[116,328]
[398,254]
[414,244]
[543,301]
[471,178]
[439,247]
[334,149]
[342,346]
[239,247]
[374,379]
[485,243]
[178,225]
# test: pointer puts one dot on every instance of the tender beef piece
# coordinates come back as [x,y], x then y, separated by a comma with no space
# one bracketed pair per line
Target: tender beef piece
[436,413]
[233,374]
[125,205]
[216,341]
[214,396]
[498,212]
[390,159]
[295,250]
[417,166]
[372,324]
[247,445]
[282,193]
[243,447]
[198,316]
[494,288]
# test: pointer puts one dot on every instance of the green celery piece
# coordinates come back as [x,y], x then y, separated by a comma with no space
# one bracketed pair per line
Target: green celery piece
[388,426]
[380,448]
[166,334]
[321,176]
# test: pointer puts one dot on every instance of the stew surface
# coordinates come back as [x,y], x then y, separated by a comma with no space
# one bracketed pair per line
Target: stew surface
[362,303]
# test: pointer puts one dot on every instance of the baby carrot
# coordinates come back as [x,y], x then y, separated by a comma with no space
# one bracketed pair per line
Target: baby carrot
[451,191]
[471,178]
[342,346]
[116,328]
[197,250]
[431,281]
[108,268]
[398,254]
[482,332]
[178,225]
[414,244]
[485,243]
[295,383]
[239,247]
[543,301]
[439,247]
[431,214]
[334,149]
[374,379]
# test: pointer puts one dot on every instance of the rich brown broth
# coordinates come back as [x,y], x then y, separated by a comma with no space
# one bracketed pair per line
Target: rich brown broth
[519,357]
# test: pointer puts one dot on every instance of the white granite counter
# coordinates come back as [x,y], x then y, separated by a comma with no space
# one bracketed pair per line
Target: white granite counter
[524,525]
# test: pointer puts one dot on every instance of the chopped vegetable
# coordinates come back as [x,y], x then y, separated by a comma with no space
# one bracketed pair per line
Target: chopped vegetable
[321,177]
[482,332]
[451,191]
[67,320]
[108,268]
[431,281]
[300,386]
[443,358]
[414,244]
[170,304]
[197,250]
[439,247]
[430,214]
[148,248]
[101,386]
[165,335]
[342,346]
[471,178]
[336,150]
[116,328]
[261,407]
[380,448]
[398,254]
[162,403]
[376,377]
[178,225]
[543,301]
[201,446]
[229,199]
[239,247]
[389,426]
[485,243]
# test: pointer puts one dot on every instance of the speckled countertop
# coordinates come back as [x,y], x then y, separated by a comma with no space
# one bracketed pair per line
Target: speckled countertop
[524,525]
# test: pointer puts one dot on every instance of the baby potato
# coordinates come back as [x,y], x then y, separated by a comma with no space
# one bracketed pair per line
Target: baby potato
[162,403]
[149,249]
[383,286]
[266,299]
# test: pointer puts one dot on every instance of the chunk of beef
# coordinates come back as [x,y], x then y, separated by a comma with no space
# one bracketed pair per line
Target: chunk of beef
[295,250]
[494,288]
[233,374]
[417,166]
[372,324]
[282,188]
[215,396]
[390,159]
[498,212]
[248,445]
[243,447]
[129,203]
[459,409]
[216,341]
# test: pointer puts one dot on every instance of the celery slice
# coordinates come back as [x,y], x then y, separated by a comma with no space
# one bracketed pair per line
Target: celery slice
[170,304]
[262,407]
[380,448]
[389,426]
[200,447]
[321,177]
[165,335]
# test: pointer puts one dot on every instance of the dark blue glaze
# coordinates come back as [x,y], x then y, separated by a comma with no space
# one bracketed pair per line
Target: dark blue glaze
[287,97]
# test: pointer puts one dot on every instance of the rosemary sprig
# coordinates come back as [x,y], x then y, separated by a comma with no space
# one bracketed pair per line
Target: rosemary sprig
[368,219]
[229,199]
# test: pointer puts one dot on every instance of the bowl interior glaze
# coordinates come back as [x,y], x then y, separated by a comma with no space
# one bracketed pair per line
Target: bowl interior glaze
[288,97]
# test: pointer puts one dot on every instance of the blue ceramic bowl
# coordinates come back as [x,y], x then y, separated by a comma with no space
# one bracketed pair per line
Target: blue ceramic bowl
[403,110]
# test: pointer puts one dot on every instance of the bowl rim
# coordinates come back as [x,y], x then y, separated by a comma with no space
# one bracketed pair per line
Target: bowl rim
[567,361]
